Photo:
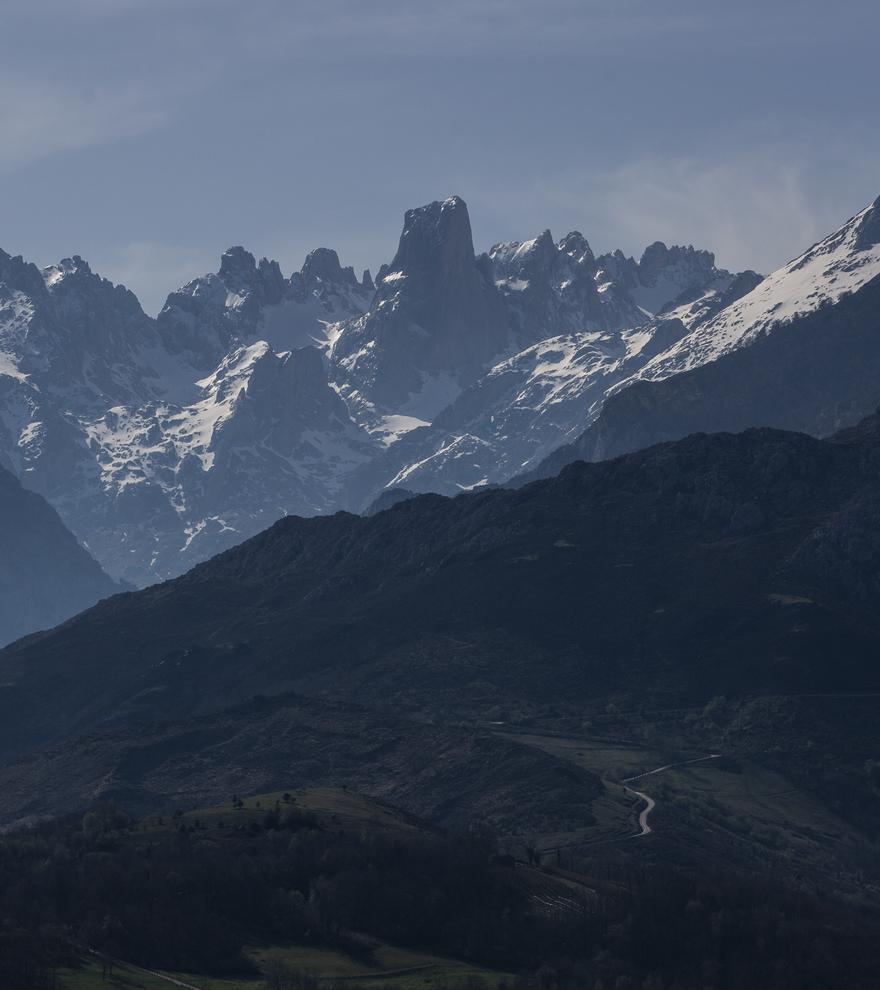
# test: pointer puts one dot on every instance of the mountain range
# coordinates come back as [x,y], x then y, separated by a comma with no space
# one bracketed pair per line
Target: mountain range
[720,566]
[490,537]
[253,395]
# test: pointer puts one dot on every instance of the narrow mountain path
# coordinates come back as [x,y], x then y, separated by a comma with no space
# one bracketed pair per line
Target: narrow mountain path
[122,966]
[650,803]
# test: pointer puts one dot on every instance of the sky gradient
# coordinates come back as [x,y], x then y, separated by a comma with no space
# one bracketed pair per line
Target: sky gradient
[148,135]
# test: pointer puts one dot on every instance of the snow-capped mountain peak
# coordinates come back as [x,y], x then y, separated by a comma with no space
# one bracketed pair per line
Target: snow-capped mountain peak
[841,263]
[254,394]
[664,274]
[245,301]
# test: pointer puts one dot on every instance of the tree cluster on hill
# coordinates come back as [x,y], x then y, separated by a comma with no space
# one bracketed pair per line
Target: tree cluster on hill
[188,896]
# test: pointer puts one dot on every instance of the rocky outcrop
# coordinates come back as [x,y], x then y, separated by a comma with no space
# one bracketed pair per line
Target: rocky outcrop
[436,315]
[550,289]
[247,301]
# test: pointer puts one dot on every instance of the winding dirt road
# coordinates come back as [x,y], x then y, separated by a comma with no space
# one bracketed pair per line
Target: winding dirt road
[650,803]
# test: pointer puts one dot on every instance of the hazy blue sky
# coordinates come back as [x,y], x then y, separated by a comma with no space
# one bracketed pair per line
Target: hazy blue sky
[148,135]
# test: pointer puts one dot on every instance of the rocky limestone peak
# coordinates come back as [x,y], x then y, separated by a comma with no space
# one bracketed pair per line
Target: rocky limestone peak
[654,256]
[657,257]
[241,274]
[436,237]
[543,245]
[18,275]
[272,281]
[521,268]
[88,339]
[617,267]
[576,246]
[238,268]
[67,266]
[323,264]
[514,259]
[211,313]
[551,288]
[438,283]
[76,289]
[367,283]
[436,310]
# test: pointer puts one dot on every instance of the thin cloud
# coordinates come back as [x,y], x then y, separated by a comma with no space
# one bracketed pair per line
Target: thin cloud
[424,27]
[39,120]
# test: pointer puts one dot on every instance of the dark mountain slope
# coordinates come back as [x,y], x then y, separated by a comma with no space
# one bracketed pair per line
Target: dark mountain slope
[45,575]
[716,565]
[454,776]
[819,373]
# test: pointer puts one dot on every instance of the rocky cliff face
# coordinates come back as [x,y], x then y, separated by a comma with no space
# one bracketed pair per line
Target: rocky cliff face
[245,302]
[435,323]
[551,288]
[571,335]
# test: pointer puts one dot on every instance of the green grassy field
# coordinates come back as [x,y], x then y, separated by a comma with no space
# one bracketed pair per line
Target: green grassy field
[89,977]
[402,968]
[390,966]
[611,759]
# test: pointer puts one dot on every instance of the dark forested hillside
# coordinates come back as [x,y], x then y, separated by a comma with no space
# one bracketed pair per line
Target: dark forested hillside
[190,893]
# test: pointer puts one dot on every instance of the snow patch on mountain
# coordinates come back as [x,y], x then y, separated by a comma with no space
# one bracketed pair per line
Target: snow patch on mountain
[516,414]
[840,264]
[152,455]
[254,394]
